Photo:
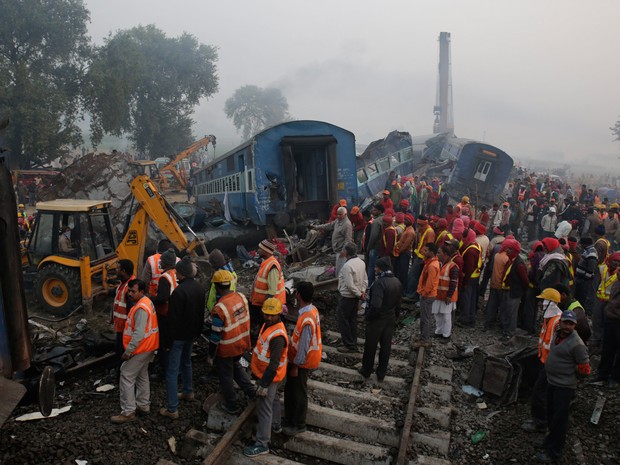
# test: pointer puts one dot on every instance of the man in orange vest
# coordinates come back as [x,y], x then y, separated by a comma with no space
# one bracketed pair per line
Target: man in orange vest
[230,338]
[304,354]
[472,265]
[425,235]
[269,366]
[447,292]
[141,340]
[269,281]
[427,288]
[185,317]
[152,268]
[166,286]
[124,270]
[551,317]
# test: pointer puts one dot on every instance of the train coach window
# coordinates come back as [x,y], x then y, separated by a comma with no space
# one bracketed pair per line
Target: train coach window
[384,164]
[372,170]
[406,154]
[361,175]
[230,164]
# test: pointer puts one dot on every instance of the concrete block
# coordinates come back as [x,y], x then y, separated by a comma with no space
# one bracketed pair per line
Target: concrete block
[372,430]
[426,460]
[441,415]
[338,450]
[401,351]
[218,420]
[440,390]
[357,356]
[390,382]
[238,458]
[441,373]
[345,397]
[439,440]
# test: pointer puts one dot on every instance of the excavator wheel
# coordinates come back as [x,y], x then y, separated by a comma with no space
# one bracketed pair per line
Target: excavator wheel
[58,289]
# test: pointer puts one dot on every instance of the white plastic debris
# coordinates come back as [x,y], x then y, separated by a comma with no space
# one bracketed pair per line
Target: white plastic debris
[481,405]
[469,389]
[81,462]
[105,388]
[96,382]
[39,415]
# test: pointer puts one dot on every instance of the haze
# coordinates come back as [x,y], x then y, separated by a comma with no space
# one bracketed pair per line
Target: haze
[537,79]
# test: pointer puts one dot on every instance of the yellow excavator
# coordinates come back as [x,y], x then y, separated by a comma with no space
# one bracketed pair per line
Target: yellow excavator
[175,168]
[71,254]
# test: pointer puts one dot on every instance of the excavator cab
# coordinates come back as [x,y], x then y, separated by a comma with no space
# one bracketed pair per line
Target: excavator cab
[69,252]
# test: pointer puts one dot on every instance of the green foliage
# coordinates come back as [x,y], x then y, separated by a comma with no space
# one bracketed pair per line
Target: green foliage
[253,108]
[146,85]
[43,51]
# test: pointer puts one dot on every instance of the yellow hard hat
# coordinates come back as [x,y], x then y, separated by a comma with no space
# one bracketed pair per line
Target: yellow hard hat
[21,205]
[272,306]
[550,294]
[222,277]
[465,199]
[614,205]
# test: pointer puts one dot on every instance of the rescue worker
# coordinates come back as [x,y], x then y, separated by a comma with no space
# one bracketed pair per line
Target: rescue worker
[167,284]
[386,201]
[388,240]
[269,281]
[442,234]
[403,250]
[218,261]
[334,213]
[381,313]
[185,316]
[567,302]
[586,279]
[602,245]
[359,224]
[304,354]
[152,268]
[551,316]
[122,301]
[567,361]
[424,235]
[608,274]
[514,285]
[269,367]
[462,208]
[229,339]
[447,293]
[140,340]
[427,289]
[609,367]
[472,265]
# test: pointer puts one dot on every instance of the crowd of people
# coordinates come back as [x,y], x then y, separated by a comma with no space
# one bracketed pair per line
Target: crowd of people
[542,261]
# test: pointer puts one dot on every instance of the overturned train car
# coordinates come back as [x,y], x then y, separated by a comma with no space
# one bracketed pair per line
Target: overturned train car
[282,175]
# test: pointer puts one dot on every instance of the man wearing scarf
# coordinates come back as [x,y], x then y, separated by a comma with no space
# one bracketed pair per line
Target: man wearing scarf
[425,235]
[553,267]
[514,285]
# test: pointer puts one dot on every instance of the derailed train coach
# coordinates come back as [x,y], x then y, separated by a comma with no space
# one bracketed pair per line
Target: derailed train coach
[480,170]
[284,174]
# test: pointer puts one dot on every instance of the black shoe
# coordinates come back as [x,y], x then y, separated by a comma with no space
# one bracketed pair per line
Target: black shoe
[437,336]
[293,430]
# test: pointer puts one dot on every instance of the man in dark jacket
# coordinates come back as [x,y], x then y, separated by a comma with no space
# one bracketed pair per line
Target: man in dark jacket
[381,318]
[568,302]
[586,274]
[185,318]
[609,368]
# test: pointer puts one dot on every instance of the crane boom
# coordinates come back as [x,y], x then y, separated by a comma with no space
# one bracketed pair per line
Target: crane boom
[172,166]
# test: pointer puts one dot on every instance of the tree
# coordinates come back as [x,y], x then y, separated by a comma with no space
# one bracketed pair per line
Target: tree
[253,108]
[43,53]
[146,85]
[615,130]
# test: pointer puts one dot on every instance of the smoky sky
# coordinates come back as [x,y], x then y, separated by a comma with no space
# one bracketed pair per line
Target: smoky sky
[537,79]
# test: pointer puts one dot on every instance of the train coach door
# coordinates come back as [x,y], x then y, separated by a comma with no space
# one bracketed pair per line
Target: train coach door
[310,174]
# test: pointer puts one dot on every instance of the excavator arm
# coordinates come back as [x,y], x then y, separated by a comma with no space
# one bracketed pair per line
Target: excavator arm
[172,166]
[153,206]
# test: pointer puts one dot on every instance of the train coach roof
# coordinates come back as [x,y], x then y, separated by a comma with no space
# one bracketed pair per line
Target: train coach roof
[72,205]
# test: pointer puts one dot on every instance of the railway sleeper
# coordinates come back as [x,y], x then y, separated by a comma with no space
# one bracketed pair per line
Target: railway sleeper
[390,383]
[395,363]
[398,350]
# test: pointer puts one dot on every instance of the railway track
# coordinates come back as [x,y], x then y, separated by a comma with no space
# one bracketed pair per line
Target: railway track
[404,420]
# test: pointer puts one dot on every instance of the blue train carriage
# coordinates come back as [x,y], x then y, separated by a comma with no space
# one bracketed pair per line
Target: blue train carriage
[481,170]
[284,174]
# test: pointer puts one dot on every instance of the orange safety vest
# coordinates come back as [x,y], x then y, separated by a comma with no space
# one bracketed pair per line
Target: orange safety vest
[313,357]
[444,283]
[262,353]
[170,276]
[233,310]
[604,289]
[521,196]
[546,333]
[475,245]
[119,308]
[154,263]
[260,290]
[150,341]
[421,244]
